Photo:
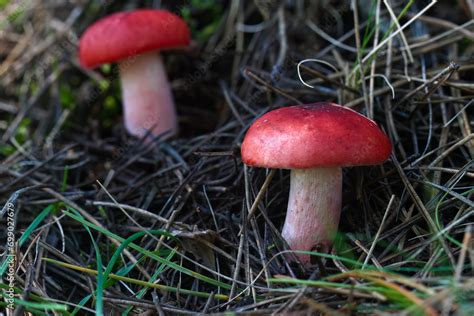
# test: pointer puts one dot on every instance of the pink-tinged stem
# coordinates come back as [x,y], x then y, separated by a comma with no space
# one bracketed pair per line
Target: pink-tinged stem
[147,99]
[314,208]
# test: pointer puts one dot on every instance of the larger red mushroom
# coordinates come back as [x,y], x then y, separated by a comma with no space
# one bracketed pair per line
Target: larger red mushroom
[315,141]
[134,39]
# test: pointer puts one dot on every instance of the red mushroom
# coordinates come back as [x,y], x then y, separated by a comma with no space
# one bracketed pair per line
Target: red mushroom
[134,39]
[314,141]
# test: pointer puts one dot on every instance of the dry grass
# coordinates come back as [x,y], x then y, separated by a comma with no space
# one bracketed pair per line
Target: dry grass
[80,186]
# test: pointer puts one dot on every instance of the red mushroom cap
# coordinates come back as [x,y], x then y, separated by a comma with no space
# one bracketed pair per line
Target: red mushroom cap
[126,34]
[314,135]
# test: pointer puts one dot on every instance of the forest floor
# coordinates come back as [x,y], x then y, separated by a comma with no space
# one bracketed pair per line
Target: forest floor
[106,222]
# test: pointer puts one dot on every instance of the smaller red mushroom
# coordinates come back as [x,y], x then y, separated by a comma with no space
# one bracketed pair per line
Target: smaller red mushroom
[315,141]
[134,39]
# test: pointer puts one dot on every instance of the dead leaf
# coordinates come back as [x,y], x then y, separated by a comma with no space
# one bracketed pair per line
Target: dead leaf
[195,243]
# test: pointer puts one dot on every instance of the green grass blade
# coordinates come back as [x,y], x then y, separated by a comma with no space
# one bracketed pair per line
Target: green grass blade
[24,237]
[119,250]
[151,254]
[99,310]
[153,279]
[161,287]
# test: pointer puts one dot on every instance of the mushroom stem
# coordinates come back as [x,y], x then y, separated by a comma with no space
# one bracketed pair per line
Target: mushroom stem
[314,208]
[147,99]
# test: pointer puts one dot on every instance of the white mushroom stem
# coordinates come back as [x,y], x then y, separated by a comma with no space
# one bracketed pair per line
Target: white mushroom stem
[147,99]
[314,208]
